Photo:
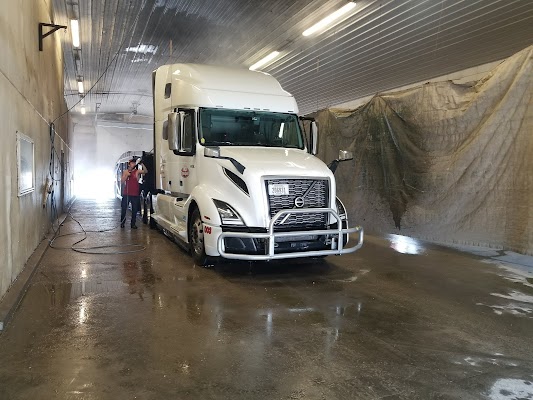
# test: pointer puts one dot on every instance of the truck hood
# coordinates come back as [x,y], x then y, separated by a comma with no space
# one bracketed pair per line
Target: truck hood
[261,161]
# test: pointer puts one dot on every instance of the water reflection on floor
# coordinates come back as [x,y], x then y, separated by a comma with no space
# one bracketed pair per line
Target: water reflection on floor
[405,244]
[372,325]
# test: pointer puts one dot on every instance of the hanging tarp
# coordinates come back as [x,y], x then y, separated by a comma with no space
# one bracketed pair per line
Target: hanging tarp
[443,161]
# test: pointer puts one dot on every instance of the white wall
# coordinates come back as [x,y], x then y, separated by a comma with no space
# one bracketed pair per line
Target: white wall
[31,87]
[96,149]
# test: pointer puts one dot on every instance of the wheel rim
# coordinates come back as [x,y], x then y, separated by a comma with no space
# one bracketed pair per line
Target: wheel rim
[197,236]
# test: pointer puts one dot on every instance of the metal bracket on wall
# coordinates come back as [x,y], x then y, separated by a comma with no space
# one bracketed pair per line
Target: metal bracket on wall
[42,36]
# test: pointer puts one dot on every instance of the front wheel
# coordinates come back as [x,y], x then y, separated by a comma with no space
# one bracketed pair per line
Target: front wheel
[196,239]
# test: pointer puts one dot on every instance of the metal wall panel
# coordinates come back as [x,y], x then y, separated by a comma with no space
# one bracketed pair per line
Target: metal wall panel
[383,45]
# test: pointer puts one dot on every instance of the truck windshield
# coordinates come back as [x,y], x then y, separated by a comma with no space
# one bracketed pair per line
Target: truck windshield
[249,128]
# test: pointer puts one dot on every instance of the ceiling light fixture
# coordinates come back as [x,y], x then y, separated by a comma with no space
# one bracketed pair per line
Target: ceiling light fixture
[83,110]
[75,28]
[329,19]
[262,62]
[80,87]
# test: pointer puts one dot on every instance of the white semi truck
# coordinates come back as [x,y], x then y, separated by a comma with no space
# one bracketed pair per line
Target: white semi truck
[235,176]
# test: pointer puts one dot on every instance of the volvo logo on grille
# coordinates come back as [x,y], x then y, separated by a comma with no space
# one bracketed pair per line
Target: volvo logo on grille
[299,202]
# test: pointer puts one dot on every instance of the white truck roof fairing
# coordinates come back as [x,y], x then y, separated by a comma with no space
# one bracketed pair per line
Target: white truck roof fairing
[197,85]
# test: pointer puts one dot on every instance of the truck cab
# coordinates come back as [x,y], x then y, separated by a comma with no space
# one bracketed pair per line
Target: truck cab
[235,177]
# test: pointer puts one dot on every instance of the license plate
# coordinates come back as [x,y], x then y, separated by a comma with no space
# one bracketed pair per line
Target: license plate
[278,189]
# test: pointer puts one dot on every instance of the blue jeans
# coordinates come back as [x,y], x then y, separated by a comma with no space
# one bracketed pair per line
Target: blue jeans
[135,206]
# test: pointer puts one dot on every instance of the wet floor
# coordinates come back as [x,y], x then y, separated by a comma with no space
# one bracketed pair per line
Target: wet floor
[397,320]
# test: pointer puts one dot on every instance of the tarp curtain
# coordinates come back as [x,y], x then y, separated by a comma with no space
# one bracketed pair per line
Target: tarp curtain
[442,161]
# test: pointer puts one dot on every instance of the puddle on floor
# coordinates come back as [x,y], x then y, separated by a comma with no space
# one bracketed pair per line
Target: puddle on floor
[514,273]
[405,244]
[511,389]
[60,294]
[518,310]
[475,361]
[516,296]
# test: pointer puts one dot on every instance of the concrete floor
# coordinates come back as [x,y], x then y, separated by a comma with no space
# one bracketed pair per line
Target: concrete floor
[378,324]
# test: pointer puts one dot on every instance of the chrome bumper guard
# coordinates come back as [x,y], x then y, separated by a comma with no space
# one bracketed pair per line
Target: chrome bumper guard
[336,235]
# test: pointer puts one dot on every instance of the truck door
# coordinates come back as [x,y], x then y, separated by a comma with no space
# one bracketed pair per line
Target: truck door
[186,154]
[162,91]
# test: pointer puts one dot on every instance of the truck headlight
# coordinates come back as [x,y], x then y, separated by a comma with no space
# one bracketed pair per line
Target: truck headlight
[341,210]
[227,213]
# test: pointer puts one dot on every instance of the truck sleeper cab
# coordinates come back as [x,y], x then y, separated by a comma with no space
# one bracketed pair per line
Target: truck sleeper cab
[234,176]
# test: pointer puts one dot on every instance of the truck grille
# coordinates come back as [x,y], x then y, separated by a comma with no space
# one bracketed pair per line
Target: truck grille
[315,194]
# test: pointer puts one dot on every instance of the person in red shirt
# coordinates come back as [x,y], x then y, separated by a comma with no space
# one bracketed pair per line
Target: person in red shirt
[131,191]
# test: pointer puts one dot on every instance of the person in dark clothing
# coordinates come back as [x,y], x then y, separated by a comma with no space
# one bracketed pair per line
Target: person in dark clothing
[131,191]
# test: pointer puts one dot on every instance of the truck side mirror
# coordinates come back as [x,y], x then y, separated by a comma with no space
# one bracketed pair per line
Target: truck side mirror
[174,130]
[212,152]
[345,155]
[314,138]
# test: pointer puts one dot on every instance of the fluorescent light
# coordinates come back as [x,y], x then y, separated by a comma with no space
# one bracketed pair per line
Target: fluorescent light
[329,19]
[264,60]
[83,110]
[281,129]
[75,28]
[80,87]
[143,48]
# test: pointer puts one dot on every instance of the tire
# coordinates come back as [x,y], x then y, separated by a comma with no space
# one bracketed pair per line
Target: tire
[196,239]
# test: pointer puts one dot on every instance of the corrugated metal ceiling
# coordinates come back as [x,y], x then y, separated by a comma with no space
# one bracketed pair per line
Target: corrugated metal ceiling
[382,45]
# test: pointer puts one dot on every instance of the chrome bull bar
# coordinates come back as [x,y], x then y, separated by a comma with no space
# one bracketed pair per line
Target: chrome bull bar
[337,247]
